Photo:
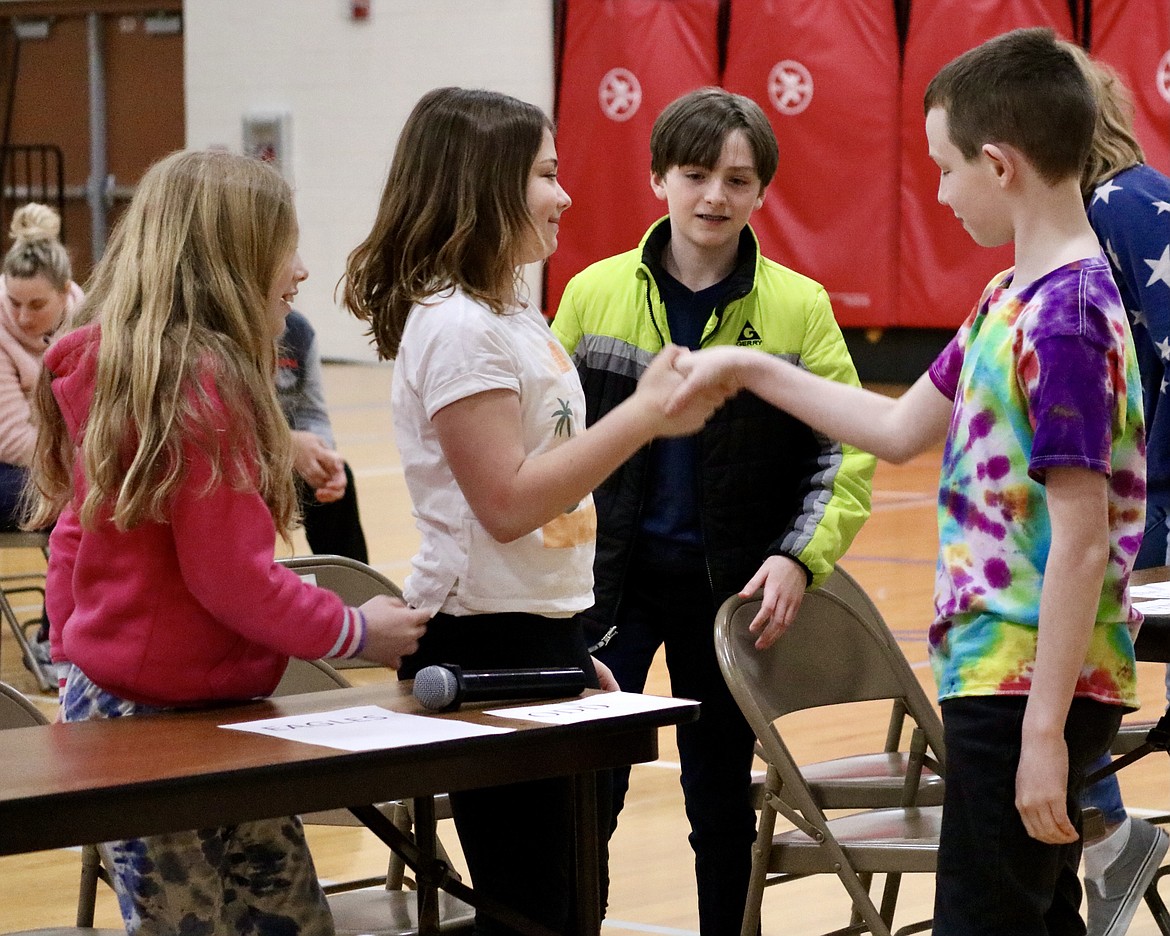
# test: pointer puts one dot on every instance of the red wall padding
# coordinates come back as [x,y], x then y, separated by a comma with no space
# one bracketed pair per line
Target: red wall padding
[826,74]
[1134,37]
[941,270]
[604,122]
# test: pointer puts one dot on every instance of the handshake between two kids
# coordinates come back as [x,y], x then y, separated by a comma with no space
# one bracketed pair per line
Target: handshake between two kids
[677,394]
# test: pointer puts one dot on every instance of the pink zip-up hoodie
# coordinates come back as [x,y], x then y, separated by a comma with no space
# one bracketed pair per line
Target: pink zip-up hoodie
[190,611]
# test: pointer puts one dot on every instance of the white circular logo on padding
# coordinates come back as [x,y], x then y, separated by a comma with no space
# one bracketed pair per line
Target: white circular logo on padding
[620,94]
[790,87]
[1162,79]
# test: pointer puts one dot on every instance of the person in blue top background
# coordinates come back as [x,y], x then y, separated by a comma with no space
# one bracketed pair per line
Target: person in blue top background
[1128,204]
[325,483]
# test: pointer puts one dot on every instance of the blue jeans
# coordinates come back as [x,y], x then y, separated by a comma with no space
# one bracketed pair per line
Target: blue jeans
[1105,794]
[993,878]
[674,606]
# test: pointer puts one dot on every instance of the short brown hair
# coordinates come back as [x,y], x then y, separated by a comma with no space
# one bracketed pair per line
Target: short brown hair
[1022,89]
[692,129]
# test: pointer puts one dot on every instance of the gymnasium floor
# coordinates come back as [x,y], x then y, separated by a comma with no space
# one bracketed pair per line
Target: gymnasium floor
[651,866]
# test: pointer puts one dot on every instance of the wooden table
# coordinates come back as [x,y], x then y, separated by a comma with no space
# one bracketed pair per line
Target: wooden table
[1153,640]
[63,785]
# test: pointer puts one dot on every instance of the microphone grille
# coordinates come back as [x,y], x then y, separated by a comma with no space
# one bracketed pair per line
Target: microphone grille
[435,687]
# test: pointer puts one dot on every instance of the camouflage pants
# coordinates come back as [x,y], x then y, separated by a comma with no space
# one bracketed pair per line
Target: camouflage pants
[255,878]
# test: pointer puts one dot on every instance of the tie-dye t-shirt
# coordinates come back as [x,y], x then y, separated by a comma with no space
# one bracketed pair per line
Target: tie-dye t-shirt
[1041,378]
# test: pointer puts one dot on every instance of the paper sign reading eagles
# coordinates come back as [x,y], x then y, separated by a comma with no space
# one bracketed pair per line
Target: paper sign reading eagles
[591,708]
[365,728]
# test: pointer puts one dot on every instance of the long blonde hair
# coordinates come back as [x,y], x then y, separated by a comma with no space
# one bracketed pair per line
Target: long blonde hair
[181,299]
[1115,146]
[454,211]
[36,249]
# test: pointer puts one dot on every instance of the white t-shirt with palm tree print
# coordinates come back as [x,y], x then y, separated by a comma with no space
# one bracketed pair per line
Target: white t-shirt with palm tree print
[454,347]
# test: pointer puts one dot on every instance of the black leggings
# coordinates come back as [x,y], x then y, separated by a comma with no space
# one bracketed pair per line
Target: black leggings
[334,528]
[518,839]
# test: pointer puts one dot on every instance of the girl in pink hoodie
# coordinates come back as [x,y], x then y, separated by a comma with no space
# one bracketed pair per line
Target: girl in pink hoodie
[164,451]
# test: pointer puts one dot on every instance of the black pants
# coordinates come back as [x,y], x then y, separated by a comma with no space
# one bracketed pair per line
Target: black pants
[993,878]
[334,529]
[517,839]
[12,478]
[672,604]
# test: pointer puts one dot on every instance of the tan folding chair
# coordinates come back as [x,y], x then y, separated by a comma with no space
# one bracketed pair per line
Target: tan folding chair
[354,581]
[869,781]
[29,583]
[18,712]
[833,654]
[380,906]
[862,781]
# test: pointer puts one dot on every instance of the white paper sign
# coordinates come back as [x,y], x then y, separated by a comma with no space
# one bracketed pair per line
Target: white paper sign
[1152,590]
[602,705]
[365,728]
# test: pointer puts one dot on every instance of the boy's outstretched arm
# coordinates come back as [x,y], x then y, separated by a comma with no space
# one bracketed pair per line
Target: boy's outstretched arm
[893,429]
[512,493]
[1078,510]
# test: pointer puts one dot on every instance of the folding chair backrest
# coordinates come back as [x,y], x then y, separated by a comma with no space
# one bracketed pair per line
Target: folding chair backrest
[309,676]
[16,711]
[832,654]
[849,590]
[354,581]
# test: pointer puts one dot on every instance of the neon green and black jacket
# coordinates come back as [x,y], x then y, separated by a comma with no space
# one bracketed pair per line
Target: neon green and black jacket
[768,485]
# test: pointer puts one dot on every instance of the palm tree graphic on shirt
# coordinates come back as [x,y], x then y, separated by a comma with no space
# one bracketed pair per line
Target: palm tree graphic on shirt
[564,418]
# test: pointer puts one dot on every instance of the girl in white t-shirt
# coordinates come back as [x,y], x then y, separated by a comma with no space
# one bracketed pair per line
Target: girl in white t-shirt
[489,417]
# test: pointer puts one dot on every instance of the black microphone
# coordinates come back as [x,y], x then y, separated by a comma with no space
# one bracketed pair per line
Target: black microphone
[445,686]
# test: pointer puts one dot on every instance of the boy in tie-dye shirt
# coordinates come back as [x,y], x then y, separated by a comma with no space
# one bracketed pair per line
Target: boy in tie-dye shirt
[1041,377]
[1041,499]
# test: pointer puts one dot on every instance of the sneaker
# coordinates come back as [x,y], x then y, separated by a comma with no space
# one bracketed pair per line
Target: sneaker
[41,652]
[41,655]
[1112,902]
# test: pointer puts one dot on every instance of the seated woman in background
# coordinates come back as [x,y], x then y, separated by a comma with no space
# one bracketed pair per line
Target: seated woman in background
[37,295]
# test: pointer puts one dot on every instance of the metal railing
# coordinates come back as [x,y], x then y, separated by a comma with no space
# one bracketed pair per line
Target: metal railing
[32,172]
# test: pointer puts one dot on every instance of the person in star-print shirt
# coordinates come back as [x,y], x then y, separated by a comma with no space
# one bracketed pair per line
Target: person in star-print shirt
[1128,203]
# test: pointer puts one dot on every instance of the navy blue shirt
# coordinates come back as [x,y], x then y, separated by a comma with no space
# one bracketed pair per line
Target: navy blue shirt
[671,511]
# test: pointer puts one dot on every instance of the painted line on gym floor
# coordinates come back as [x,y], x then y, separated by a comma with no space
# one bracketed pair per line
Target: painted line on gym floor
[647,928]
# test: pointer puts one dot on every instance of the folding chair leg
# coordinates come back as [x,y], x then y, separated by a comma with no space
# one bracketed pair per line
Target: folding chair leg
[396,869]
[855,918]
[1157,906]
[91,873]
[889,897]
[43,679]
[760,850]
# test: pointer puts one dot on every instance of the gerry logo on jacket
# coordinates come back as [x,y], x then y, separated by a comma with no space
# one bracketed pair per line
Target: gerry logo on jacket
[749,337]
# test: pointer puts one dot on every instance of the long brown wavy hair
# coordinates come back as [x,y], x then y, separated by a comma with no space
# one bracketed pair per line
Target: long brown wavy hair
[454,210]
